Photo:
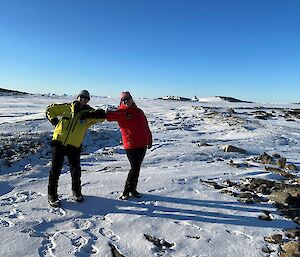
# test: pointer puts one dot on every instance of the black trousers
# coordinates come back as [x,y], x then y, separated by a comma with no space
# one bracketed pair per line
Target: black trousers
[135,157]
[58,154]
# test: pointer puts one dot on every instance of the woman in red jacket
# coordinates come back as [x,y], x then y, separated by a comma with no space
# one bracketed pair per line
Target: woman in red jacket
[136,137]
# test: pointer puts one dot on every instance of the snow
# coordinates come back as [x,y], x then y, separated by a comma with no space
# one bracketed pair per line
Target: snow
[175,205]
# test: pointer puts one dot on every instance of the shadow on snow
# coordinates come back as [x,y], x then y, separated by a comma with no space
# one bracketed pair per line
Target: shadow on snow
[185,209]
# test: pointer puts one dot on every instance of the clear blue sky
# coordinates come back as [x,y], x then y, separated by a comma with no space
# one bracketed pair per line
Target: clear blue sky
[248,49]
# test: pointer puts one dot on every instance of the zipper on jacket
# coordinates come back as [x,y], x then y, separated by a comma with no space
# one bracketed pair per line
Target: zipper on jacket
[69,124]
[75,123]
[68,127]
[67,137]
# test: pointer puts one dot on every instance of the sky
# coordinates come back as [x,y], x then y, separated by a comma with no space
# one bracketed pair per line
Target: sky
[249,50]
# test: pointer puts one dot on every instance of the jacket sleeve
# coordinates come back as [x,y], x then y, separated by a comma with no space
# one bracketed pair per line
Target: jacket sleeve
[93,116]
[55,110]
[96,114]
[91,121]
[118,115]
[148,131]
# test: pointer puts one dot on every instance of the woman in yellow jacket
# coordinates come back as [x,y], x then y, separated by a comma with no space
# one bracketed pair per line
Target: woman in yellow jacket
[69,132]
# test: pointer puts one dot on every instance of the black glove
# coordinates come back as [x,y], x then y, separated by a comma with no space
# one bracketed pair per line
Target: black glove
[54,121]
[97,114]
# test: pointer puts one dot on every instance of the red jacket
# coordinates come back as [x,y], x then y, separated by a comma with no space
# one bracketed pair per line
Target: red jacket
[133,126]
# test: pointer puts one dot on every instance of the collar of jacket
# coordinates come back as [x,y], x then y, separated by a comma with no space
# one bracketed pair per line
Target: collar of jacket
[123,106]
[76,107]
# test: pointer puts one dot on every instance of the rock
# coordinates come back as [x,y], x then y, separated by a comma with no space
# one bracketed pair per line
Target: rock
[264,189]
[265,216]
[212,183]
[281,162]
[254,184]
[266,159]
[274,239]
[194,237]
[292,233]
[229,183]
[245,195]
[296,181]
[231,148]
[280,197]
[266,249]
[159,242]
[280,172]
[293,191]
[292,167]
[203,144]
[290,249]
[231,111]
[239,165]
[246,200]
[297,220]
[276,155]
[115,252]
[228,192]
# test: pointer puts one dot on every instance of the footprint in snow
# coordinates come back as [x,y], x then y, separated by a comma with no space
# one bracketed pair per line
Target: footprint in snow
[188,224]
[33,233]
[181,181]
[157,190]
[4,223]
[157,251]
[146,179]
[13,214]
[59,211]
[239,233]
[83,224]
[20,197]
[196,191]
[69,243]
[151,203]
[82,244]
[109,234]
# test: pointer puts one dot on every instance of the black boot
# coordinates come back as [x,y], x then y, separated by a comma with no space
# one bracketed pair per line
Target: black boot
[135,193]
[78,197]
[53,201]
[52,194]
[125,195]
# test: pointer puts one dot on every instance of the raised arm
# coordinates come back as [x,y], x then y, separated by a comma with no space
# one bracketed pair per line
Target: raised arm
[55,110]
[118,115]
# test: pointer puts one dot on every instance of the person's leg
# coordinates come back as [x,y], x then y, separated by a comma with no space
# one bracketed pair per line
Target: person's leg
[135,157]
[56,166]
[75,170]
[139,157]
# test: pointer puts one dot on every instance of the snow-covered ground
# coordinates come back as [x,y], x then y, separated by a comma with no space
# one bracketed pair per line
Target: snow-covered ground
[195,219]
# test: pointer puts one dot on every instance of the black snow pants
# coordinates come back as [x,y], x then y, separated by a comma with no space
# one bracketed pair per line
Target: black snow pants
[135,157]
[58,153]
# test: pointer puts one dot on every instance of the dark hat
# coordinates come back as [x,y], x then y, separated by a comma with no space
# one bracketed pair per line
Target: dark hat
[125,94]
[85,94]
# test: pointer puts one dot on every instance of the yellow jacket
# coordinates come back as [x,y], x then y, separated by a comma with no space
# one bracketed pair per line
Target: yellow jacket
[71,128]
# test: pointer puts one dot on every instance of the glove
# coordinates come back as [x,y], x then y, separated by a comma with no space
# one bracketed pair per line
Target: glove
[54,121]
[98,114]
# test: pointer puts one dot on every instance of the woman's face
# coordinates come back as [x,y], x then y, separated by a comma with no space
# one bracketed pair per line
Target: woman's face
[127,101]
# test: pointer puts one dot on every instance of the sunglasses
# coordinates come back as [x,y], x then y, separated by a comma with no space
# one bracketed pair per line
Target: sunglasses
[83,97]
[125,99]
